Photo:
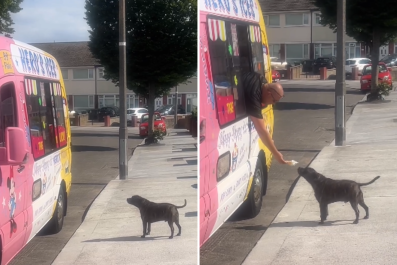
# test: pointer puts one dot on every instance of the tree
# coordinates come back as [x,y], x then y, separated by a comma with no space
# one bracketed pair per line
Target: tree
[367,21]
[161,44]
[6,8]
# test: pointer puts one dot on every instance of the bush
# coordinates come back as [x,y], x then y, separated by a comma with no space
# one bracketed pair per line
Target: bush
[194,112]
[384,89]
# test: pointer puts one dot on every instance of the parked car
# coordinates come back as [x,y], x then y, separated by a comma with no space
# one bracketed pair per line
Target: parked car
[390,60]
[276,76]
[159,124]
[105,111]
[170,110]
[384,76]
[276,61]
[138,112]
[328,62]
[356,62]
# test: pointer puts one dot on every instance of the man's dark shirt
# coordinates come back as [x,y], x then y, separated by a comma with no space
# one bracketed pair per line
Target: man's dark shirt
[252,85]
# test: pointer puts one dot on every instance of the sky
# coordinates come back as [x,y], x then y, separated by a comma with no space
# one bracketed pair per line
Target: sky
[51,21]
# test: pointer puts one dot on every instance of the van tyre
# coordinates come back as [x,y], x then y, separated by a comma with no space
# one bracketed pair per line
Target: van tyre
[58,216]
[253,204]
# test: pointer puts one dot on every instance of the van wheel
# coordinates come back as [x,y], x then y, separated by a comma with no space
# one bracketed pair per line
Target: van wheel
[58,216]
[253,204]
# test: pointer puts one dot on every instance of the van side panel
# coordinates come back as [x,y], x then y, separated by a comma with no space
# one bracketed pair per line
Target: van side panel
[209,154]
[23,65]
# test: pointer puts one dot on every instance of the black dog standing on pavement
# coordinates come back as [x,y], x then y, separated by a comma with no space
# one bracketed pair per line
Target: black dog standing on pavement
[328,190]
[154,212]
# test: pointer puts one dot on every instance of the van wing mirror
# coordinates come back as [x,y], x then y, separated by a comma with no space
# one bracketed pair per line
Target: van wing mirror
[14,152]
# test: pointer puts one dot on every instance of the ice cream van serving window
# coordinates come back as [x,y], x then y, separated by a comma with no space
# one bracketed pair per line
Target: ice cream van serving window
[234,47]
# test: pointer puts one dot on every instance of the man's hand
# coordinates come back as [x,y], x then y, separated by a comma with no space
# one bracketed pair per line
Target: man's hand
[279,157]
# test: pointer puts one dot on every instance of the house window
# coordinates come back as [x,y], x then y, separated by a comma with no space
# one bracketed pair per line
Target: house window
[65,73]
[274,50]
[101,73]
[297,51]
[83,73]
[171,101]
[297,19]
[83,101]
[317,19]
[272,20]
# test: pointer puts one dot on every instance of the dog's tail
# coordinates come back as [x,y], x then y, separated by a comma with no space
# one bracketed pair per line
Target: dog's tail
[182,205]
[372,181]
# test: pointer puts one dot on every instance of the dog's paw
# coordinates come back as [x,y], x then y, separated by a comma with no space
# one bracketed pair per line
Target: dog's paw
[143,236]
[178,234]
[171,237]
[321,222]
[355,222]
[366,217]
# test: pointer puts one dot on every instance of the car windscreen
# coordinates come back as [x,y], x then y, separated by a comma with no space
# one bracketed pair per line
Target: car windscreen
[130,111]
[367,70]
[322,60]
[350,62]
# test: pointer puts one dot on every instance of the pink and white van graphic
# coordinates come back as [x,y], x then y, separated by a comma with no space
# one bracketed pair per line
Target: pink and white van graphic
[229,144]
[34,148]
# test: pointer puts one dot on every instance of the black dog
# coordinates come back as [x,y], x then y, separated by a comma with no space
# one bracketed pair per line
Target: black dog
[153,212]
[328,190]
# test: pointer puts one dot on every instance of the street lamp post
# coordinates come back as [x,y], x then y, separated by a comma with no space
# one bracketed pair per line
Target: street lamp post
[176,107]
[123,130]
[340,85]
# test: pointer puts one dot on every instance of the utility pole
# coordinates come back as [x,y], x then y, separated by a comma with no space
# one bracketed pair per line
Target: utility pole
[176,107]
[340,85]
[123,130]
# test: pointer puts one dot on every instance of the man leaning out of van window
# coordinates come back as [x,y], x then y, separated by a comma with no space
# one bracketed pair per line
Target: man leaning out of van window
[258,95]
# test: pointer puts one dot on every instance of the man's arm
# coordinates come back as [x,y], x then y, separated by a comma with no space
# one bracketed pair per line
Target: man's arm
[267,139]
[264,134]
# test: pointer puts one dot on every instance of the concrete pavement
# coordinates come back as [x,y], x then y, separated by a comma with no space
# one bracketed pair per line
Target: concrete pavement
[111,230]
[295,237]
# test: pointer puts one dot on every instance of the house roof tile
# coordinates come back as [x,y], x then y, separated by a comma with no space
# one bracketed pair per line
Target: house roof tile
[282,5]
[69,54]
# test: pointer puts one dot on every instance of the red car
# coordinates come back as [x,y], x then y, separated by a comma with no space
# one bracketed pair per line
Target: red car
[159,124]
[276,76]
[384,76]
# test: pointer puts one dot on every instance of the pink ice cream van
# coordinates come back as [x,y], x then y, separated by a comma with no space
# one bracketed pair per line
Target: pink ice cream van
[35,153]
[233,161]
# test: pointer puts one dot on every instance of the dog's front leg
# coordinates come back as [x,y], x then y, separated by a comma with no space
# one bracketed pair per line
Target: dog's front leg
[323,212]
[148,228]
[144,225]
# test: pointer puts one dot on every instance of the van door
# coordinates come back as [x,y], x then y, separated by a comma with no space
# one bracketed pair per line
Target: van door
[12,178]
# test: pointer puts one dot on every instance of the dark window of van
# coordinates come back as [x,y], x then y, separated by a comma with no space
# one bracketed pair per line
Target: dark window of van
[8,117]
[235,47]
[45,110]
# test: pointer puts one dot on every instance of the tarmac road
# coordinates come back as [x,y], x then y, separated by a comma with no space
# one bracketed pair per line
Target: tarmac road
[304,124]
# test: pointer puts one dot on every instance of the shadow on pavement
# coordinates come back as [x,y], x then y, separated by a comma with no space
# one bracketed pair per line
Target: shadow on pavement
[87,148]
[253,227]
[311,223]
[191,214]
[291,150]
[187,177]
[299,89]
[103,135]
[298,105]
[126,238]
